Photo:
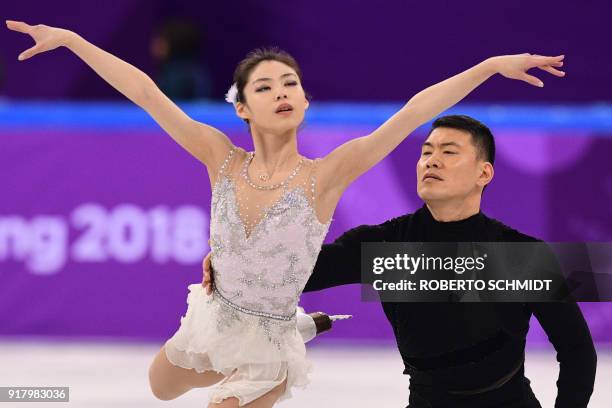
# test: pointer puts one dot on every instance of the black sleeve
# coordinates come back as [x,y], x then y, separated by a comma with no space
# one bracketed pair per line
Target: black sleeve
[339,263]
[569,334]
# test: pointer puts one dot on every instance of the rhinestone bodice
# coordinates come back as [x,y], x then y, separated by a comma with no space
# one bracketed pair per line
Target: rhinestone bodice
[263,269]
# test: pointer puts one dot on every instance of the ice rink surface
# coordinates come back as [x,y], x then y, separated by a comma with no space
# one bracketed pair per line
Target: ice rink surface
[105,375]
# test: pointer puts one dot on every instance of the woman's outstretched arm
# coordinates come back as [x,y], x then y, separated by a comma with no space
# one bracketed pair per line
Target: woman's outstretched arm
[204,142]
[350,160]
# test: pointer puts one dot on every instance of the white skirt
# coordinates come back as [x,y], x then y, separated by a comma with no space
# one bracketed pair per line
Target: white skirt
[256,354]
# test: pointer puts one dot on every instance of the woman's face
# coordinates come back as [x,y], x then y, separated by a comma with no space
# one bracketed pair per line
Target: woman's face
[274,98]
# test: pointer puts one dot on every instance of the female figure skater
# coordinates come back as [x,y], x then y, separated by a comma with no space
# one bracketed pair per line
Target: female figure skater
[270,212]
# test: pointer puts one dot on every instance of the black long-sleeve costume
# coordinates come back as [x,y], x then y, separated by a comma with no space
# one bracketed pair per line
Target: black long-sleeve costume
[465,346]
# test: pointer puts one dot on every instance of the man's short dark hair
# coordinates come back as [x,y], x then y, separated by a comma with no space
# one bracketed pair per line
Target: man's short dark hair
[482,138]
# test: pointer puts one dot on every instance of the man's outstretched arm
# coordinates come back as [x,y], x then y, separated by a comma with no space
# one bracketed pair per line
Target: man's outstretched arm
[339,263]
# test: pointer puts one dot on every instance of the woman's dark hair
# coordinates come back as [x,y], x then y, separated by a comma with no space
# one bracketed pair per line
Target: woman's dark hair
[482,138]
[253,58]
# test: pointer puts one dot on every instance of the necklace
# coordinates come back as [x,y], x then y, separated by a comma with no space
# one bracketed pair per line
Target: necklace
[283,183]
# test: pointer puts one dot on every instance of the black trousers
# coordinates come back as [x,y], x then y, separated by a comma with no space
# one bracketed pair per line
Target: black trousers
[516,393]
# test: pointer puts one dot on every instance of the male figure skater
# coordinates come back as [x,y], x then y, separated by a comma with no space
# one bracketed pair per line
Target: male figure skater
[464,354]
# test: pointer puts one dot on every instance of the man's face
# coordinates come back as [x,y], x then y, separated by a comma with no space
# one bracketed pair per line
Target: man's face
[449,167]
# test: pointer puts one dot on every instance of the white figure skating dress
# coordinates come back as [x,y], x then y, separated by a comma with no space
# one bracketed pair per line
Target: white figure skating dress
[264,243]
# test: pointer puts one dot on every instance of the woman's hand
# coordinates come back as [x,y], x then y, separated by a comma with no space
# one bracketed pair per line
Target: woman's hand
[349,161]
[46,38]
[516,66]
[206,143]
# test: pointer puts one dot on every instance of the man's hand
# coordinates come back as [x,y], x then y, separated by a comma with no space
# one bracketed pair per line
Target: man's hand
[208,275]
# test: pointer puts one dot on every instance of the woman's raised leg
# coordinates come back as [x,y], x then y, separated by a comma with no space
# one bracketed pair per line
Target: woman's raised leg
[168,381]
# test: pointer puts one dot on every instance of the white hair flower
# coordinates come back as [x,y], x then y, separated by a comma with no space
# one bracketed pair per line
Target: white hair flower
[232,94]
